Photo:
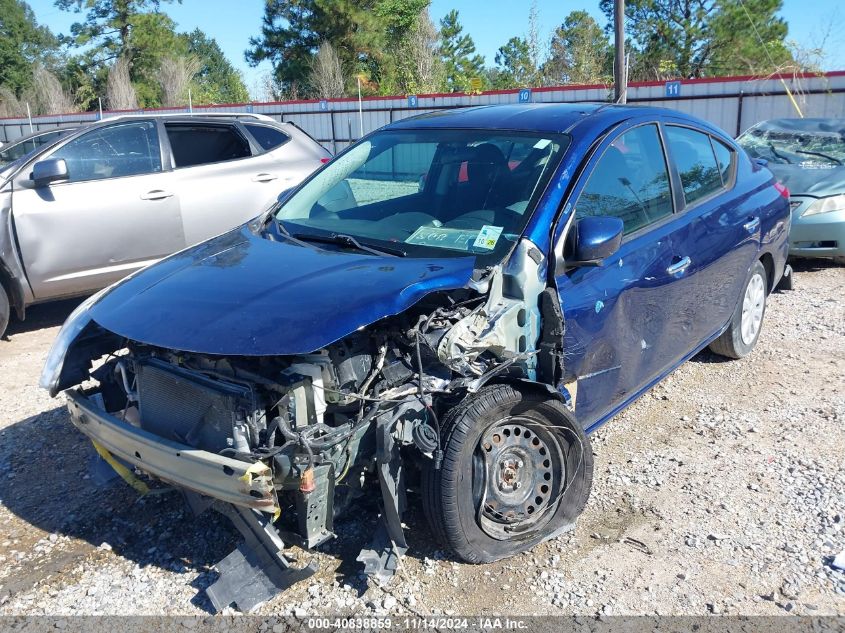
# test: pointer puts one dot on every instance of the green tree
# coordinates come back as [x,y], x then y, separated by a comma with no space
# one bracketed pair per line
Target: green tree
[293,30]
[696,38]
[403,25]
[388,42]
[135,30]
[110,25]
[217,81]
[580,52]
[732,55]
[515,65]
[457,50]
[22,43]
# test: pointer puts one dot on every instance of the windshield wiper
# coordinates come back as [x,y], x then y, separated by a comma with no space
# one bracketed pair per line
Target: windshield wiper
[778,154]
[291,238]
[825,156]
[348,240]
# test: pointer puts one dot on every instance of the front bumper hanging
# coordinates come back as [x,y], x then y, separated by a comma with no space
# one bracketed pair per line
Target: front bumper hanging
[258,568]
[245,484]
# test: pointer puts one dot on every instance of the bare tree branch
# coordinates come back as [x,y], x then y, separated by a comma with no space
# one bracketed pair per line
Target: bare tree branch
[47,96]
[326,73]
[174,76]
[120,93]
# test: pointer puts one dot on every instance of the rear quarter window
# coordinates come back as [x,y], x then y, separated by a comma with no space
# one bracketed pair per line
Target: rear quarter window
[724,159]
[267,137]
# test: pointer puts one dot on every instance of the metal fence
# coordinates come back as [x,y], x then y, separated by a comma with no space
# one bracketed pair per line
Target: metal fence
[732,103]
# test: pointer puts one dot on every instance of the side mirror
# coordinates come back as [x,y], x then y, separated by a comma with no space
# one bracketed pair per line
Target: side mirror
[596,239]
[49,170]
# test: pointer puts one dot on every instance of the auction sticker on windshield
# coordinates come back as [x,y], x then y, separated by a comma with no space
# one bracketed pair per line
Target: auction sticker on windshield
[487,237]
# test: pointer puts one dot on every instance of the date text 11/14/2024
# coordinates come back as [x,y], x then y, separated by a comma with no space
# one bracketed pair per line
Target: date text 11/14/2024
[417,623]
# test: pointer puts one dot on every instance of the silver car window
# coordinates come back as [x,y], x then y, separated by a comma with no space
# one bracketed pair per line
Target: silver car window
[123,149]
[199,144]
[267,137]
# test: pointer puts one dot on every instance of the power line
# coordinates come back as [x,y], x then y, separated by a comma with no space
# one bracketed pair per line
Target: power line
[771,61]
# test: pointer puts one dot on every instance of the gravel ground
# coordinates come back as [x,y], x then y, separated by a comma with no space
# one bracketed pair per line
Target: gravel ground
[720,491]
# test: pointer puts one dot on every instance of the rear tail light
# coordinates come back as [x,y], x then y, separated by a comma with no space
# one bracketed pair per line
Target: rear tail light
[782,189]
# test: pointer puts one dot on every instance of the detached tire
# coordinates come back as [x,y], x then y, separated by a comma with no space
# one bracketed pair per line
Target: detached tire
[747,321]
[4,311]
[517,469]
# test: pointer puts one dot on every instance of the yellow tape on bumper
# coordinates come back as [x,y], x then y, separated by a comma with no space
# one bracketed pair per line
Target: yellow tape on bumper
[140,487]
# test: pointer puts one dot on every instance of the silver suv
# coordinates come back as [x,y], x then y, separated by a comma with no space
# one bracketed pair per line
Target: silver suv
[116,195]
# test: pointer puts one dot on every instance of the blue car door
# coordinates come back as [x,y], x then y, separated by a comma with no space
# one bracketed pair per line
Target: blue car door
[721,234]
[622,317]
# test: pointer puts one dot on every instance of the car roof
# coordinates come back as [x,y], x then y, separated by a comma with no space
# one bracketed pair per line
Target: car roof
[541,117]
[191,115]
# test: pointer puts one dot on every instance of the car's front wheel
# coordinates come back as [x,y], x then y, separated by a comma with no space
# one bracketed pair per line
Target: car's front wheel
[4,311]
[747,321]
[517,469]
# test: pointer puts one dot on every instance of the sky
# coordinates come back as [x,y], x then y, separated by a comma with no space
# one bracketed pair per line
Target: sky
[491,23]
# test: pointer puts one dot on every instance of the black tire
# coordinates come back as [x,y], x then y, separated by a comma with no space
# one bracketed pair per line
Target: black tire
[452,494]
[731,343]
[4,311]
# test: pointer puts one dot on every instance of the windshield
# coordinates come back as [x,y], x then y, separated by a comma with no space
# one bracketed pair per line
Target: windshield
[808,143]
[429,193]
[24,147]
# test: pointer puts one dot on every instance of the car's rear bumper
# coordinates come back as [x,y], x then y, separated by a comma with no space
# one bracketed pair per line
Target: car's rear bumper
[821,235]
[230,480]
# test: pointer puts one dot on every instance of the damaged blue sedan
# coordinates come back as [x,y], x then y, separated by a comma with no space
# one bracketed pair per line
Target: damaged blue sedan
[440,316]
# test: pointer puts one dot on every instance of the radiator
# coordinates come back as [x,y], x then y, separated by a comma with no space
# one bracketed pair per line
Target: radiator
[179,405]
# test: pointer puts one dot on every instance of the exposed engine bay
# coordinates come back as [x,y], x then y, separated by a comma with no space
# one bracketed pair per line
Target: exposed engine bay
[312,431]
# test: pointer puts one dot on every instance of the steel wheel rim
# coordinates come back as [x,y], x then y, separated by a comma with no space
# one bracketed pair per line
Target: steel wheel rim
[518,471]
[753,304]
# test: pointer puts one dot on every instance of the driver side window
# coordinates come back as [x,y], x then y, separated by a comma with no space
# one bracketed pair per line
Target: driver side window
[123,149]
[630,181]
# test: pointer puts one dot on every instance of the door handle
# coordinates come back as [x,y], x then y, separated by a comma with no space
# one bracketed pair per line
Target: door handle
[679,266]
[752,225]
[156,194]
[264,177]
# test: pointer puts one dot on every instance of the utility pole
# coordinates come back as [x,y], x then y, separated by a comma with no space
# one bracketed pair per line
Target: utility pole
[620,68]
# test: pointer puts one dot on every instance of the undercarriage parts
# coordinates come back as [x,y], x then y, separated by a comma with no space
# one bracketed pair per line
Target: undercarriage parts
[258,569]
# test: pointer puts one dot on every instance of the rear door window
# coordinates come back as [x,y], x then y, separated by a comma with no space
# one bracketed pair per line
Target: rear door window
[200,144]
[267,137]
[693,155]
[130,148]
[630,181]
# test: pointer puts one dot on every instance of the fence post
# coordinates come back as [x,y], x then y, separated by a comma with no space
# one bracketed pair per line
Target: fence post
[739,114]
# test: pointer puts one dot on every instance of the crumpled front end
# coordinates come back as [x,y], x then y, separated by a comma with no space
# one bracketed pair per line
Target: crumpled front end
[282,444]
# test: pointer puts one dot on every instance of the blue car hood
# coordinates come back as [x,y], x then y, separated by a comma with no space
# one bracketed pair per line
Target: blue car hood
[240,294]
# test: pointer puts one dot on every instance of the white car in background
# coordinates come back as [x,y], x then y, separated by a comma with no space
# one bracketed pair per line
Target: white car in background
[121,193]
